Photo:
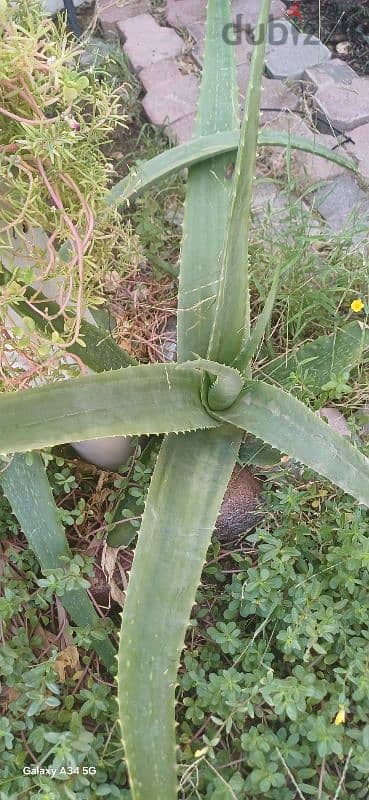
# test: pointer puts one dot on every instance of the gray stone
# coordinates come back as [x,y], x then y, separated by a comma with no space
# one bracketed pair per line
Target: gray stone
[289,53]
[279,211]
[359,149]
[250,14]
[342,97]
[146,42]
[110,12]
[308,168]
[170,101]
[334,70]
[344,205]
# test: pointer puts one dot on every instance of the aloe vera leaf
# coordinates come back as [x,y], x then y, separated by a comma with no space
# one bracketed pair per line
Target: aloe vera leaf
[99,351]
[164,578]
[254,451]
[317,361]
[208,192]
[232,313]
[26,486]
[151,398]
[203,148]
[242,361]
[288,425]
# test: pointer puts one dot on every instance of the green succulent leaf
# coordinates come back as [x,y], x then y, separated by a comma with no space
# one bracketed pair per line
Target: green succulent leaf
[318,360]
[242,361]
[166,572]
[208,193]
[203,148]
[233,301]
[152,398]
[26,486]
[283,422]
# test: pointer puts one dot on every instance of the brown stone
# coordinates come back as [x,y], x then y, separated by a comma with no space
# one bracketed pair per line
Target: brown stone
[240,510]
[171,100]
[146,42]
[276,98]
[160,72]
[183,13]
[110,12]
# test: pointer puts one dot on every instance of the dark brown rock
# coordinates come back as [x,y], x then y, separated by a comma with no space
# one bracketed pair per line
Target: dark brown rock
[240,510]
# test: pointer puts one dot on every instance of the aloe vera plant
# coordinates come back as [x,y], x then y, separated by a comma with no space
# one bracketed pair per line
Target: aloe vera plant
[203,404]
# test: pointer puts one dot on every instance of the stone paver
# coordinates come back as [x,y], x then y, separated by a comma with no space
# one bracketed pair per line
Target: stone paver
[110,12]
[341,95]
[169,101]
[276,98]
[160,72]
[243,51]
[183,13]
[248,12]
[344,205]
[309,168]
[181,131]
[279,211]
[289,53]
[359,149]
[146,42]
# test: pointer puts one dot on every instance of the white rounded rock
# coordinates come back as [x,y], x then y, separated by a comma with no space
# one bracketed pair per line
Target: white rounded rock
[109,452]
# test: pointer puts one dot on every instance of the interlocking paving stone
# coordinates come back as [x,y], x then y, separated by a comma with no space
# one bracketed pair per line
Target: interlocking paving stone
[277,97]
[341,95]
[110,12]
[146,42]
[359,149]
[182,13]
[171,100]
[160,72]
[289,53]
[181,131]
[243,51]
[307,167]
[250,11]
[334,70]
[344,205]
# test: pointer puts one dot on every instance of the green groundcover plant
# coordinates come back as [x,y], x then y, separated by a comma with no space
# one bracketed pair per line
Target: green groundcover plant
[202,404]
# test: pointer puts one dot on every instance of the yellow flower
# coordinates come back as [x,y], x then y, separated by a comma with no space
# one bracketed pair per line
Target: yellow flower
[357,305]
[341,716]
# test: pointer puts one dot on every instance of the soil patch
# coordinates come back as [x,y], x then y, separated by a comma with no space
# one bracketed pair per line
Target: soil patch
[343,25]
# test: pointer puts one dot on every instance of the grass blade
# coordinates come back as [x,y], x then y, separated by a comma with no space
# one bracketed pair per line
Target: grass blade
[282,421]
[26,486]
[208,192]
[152,398]
[233,302]
[203,148]
[165,575]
